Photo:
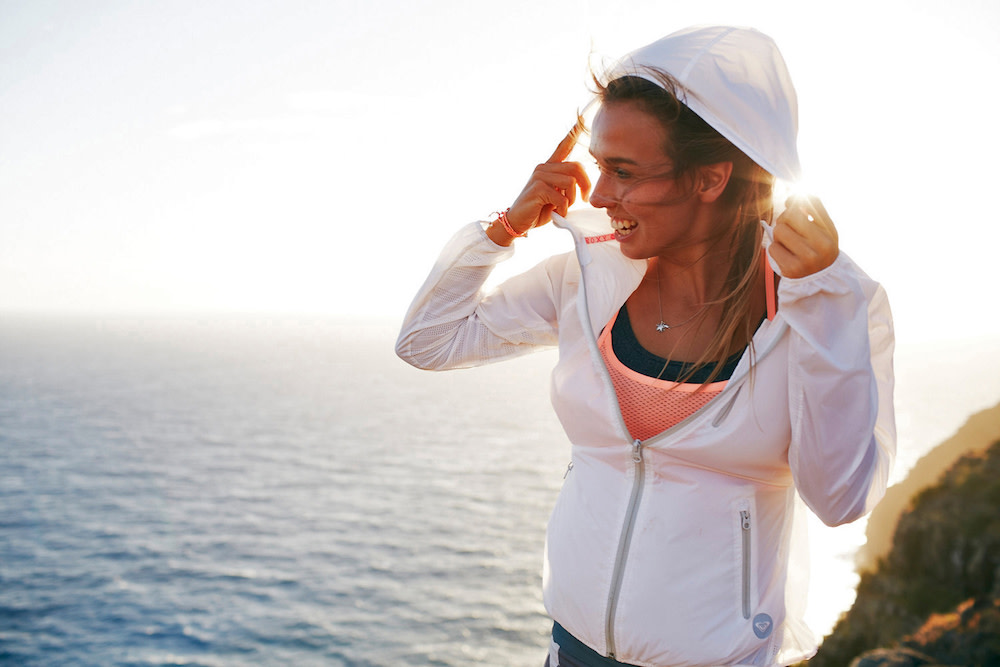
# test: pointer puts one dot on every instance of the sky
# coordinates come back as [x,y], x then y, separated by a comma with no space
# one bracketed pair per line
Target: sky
[311,158]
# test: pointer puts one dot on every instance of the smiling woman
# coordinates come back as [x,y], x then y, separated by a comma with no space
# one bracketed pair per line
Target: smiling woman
[675,537]
[705,166]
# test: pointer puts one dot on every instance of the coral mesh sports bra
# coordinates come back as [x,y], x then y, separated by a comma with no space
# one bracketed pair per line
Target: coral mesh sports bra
[650,405]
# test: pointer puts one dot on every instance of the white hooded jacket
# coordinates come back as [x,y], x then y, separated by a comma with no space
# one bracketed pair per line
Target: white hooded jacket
[678,550]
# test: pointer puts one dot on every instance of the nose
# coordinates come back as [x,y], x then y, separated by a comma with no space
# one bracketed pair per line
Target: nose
[603,195]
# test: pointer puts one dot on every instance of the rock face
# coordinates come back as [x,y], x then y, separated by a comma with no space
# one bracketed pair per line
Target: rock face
[974,437]
[969,636]
[936,596]
[900,657]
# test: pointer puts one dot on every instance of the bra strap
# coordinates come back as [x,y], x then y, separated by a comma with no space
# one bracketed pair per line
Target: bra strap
[769,292]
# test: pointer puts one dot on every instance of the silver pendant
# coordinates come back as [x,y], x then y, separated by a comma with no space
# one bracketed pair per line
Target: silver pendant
[662,326]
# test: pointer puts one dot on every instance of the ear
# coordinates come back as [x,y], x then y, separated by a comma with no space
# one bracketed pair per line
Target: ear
[712,180]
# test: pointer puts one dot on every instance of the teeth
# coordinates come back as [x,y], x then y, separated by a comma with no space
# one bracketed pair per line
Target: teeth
[623,226]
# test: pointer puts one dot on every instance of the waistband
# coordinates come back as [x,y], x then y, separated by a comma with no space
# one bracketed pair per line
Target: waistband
[580,652]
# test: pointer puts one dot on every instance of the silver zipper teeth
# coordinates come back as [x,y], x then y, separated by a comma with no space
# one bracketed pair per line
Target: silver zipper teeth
[626,534]
[623,545]
[745,525]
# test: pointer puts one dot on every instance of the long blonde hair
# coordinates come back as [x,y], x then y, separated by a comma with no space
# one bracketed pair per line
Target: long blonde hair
[747,199]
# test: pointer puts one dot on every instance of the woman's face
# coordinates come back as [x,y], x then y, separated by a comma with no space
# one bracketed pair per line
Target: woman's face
[652,212]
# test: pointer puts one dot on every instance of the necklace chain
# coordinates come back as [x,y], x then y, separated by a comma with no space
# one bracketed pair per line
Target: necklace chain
[662,326]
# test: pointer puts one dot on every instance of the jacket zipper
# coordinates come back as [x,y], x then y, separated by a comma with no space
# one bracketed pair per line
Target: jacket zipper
[745,528]
[625,538]
[623,546]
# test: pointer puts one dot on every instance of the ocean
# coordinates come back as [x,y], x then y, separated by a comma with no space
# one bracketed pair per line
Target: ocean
[275,491]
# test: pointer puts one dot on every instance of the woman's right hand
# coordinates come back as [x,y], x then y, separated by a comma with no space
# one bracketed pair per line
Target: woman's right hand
[552,187]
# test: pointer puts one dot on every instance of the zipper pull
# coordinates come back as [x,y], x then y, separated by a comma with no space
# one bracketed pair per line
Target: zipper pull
[745,516]
[637,451]
[568,468]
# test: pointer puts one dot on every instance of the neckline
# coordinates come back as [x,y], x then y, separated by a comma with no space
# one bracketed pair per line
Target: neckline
[633,355]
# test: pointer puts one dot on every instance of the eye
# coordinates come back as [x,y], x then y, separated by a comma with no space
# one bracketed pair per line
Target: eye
[614,172]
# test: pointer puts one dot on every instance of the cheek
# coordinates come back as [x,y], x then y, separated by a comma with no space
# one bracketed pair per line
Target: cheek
[661,222]
[654,195]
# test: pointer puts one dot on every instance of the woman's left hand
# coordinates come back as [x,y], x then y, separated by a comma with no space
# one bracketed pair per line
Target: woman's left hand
[805,239]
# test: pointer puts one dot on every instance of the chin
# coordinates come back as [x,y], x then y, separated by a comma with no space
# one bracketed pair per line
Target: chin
[634,253]
[629,245]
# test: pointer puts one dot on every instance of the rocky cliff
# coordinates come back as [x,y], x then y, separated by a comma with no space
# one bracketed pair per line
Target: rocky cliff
[978,433]
[934,598]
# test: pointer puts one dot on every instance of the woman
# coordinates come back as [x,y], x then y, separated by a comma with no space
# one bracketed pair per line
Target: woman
[701,405]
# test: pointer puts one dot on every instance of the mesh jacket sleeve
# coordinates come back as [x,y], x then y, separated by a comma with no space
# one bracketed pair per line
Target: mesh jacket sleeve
[840,390]
[453,323]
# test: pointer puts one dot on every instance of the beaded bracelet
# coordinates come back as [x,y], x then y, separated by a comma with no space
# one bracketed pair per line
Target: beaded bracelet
[506,225]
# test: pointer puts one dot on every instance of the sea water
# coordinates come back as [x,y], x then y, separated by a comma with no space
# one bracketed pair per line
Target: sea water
[254,491]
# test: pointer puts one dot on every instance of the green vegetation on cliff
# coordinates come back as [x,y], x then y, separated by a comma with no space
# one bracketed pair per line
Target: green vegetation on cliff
[945,559]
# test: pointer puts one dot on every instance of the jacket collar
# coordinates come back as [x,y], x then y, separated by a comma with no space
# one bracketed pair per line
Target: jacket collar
[608,278]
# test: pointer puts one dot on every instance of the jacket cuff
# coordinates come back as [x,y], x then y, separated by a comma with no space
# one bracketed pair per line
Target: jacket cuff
[840,278]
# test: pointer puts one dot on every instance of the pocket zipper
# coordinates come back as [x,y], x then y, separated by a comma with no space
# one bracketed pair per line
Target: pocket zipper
[745,528]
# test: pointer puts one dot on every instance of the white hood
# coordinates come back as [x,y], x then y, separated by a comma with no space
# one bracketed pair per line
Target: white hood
[737,81]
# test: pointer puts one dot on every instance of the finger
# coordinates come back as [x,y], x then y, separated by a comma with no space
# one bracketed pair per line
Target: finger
[571,168]
[802,246]
[795,260]
[537,200]
[559,199]
[557,174]
[564,185]
[792,241]
[582,179]
[810,212]
[818,205]
[788,263]
[554,199]
[565,146]
[821,215]
[793,219]
[796,208]
[804,220]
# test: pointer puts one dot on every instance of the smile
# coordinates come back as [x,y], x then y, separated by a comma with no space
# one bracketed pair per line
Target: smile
[623,227]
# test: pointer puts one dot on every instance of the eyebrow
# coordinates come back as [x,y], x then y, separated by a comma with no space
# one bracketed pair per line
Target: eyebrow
[614,160]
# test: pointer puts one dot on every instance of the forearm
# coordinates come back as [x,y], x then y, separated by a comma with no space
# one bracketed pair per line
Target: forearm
[840,391]
[453,324]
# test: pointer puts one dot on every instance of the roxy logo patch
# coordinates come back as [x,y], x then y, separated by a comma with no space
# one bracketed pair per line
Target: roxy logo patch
[762,625]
